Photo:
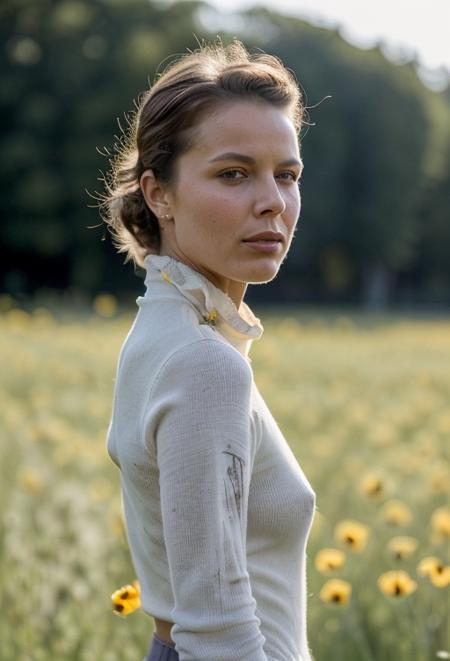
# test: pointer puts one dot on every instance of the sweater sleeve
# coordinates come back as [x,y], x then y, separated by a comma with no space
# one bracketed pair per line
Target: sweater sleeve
[205,451]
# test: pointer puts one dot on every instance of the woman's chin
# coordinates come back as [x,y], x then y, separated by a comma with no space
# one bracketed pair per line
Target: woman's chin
[263,272]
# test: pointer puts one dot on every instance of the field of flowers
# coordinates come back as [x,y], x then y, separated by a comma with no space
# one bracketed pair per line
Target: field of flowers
[364,402]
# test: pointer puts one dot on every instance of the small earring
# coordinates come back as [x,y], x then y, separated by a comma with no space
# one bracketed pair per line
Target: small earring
[164,216]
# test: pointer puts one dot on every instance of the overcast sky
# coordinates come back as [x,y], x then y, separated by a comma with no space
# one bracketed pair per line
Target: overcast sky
[421,26]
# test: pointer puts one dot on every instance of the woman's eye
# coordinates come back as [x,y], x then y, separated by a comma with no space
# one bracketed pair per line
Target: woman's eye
[234,174]
[288,175]
[231,174]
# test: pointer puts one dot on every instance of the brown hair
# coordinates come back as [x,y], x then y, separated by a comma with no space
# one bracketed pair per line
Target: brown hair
[158,131]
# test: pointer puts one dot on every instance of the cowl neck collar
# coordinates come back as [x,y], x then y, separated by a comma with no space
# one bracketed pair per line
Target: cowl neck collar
[239,326]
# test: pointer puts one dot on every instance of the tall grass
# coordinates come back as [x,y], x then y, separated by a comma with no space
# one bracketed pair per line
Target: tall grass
[365,406]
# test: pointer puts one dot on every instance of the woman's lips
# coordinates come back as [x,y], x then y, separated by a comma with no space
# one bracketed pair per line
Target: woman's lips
[264,245]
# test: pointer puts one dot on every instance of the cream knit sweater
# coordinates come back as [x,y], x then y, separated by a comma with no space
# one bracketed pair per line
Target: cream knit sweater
[217,508]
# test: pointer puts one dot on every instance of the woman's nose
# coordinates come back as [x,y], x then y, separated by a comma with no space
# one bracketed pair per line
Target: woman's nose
[269,200]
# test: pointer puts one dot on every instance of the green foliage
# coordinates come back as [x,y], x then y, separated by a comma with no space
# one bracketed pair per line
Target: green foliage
[365,157]
[373,152]
[434,254]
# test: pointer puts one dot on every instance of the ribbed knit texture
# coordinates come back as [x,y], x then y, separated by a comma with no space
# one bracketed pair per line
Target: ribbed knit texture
[217,508]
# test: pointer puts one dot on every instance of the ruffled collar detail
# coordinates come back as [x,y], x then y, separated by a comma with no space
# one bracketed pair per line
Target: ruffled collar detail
[239,327]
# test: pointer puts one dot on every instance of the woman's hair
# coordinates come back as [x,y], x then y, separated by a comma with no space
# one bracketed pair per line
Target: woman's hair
[162,128]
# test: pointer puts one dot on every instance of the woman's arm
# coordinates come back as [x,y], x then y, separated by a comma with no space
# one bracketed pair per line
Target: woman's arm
[205,452]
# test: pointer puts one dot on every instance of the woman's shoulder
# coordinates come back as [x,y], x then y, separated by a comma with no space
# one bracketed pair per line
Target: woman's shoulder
[172,343]
[208,355]
[205,374]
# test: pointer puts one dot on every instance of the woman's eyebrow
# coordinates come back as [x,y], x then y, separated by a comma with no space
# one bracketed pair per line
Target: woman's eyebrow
[235,156]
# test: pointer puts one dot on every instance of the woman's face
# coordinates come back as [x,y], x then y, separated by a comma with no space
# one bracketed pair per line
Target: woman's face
[239,180]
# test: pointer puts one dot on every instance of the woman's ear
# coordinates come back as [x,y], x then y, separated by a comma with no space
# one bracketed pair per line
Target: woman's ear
[155,195]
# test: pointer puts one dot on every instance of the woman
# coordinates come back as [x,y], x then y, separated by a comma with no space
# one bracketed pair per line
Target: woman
[205,196]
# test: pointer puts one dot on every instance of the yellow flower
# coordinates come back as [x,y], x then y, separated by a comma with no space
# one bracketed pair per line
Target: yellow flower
[166,277]
[371,485]
[437,572]
[31,480]
[395,512]
[18,320]
[328,560]
[440,479]
[396,583]
[336,591]
[427,565]
[126,599]
[440,520]
[352,533]
[441,576]
[402,547]
[211,317]
[105,305]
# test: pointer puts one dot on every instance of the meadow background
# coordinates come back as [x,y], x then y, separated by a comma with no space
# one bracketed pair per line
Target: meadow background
[360,389]
[363,400]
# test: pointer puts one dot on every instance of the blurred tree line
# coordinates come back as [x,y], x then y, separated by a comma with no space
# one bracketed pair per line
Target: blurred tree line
[374,225]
